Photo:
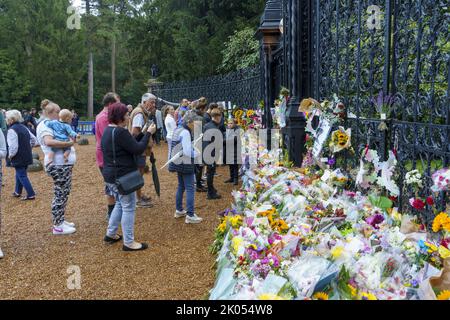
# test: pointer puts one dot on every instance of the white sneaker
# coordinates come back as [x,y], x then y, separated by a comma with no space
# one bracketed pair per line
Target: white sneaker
[63,229]
[1,253]
[193,220]
[180,214]
[69,224]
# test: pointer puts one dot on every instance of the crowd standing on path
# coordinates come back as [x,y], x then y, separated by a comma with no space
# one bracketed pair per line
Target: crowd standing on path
[125,138]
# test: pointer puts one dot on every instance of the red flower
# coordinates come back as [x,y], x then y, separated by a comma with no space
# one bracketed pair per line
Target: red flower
[446,243]
[393,198]
[430,201]
[417,204]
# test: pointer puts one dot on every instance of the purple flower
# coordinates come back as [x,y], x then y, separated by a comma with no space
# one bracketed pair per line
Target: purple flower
[375,220]
[382,100]
[331,161]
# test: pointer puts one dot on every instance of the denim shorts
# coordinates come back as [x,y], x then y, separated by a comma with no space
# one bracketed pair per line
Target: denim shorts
[108,190]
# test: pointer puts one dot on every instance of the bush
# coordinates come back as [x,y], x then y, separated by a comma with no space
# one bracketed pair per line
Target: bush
[36,166]
[83,142]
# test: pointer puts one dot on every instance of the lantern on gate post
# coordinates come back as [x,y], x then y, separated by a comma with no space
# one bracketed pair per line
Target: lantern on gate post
[269,35]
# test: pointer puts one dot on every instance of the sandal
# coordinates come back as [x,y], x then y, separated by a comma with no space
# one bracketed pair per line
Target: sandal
[28,198]
[110,240]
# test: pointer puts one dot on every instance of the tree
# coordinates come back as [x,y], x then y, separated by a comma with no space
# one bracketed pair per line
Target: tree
[240,51]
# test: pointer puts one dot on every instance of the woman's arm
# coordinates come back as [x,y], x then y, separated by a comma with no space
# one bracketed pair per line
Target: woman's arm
[129,143]
[186,142]
[13,143]
[49,141]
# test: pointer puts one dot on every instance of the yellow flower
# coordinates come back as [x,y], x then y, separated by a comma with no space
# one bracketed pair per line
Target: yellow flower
[444,295]
[431,246]
[236,221]
[336,252]
[270,296]
[236,244]
[222,227]
[444,252]
[353,290]
[279,225]
[320,296]
[367,296]
[442,220]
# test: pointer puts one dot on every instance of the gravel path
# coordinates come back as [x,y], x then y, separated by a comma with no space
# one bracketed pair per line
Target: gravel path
[177,265]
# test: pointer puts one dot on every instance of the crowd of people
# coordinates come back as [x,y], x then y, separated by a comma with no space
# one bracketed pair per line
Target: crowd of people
[125,139]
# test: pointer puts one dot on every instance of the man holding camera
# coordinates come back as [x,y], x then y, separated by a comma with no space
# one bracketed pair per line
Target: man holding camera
[141,116]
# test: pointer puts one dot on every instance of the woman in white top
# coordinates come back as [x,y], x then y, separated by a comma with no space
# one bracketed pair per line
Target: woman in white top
[171,125]
[59,170]
[2,156]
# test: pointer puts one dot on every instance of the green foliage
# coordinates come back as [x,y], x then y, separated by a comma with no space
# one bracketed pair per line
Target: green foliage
[381,202]
[41,58]
[241,51]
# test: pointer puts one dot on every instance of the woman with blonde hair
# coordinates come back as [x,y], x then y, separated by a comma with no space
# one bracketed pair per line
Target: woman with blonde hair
[20,142]
[59,170]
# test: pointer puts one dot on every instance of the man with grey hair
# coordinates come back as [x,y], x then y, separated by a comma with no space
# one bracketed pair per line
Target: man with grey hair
[140,116]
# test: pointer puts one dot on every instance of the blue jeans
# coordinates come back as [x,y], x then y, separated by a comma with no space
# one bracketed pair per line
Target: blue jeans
[186,182]
[22,181]
[169,144]
[124,212]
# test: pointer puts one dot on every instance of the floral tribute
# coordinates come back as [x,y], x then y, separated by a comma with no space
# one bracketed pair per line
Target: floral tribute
[312,234]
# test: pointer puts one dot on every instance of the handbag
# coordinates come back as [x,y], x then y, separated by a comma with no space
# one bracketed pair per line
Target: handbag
[130,182]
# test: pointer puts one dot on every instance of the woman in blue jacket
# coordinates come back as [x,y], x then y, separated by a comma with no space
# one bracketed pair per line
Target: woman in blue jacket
[20,142]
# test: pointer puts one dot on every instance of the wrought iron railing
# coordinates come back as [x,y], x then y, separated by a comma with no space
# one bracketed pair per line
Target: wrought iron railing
[242,88]
[407,58]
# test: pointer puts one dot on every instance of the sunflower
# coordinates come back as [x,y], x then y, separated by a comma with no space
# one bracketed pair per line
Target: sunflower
[320,296]
[444,295]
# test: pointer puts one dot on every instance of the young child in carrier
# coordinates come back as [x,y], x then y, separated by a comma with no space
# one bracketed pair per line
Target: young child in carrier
[63,131]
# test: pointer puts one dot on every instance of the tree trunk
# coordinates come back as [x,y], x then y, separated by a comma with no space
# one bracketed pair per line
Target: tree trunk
[90,108]
[91,86]
[113,64]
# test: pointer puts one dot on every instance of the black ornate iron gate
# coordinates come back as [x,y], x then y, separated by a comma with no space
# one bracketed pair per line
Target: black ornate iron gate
[394,53]
[242,88]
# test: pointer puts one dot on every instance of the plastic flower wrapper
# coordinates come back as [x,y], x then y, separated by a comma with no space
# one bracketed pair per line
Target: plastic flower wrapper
[292,205]
[305,273]
[224,287]
[369,270]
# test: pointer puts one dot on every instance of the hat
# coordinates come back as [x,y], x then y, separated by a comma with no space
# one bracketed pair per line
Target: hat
[148,96]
